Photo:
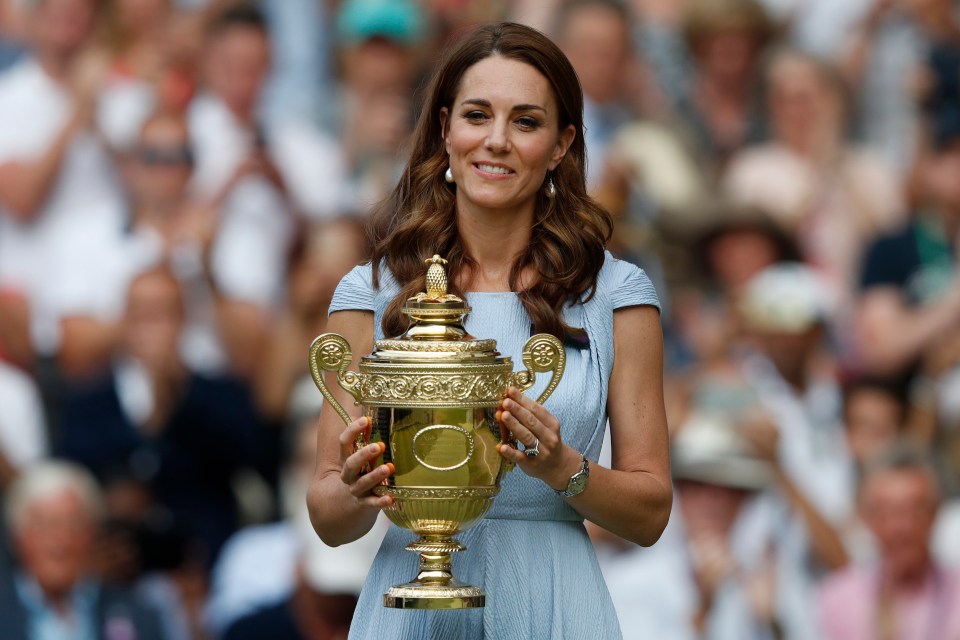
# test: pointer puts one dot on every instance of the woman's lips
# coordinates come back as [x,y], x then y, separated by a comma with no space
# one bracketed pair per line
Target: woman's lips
[493,170]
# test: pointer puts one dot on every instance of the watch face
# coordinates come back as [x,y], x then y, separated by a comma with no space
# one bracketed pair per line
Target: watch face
[577,484]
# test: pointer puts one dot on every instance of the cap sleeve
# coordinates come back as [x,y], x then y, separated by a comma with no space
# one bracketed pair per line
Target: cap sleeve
[627,284]
[355,291]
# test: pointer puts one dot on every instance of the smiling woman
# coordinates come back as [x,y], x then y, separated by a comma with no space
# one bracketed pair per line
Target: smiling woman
[500,144]
[495,183]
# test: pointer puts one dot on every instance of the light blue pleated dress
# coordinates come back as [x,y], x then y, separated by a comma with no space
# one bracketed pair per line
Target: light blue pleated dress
[531,553]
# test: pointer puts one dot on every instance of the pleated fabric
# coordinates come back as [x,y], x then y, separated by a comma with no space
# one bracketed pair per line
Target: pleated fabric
[530,553]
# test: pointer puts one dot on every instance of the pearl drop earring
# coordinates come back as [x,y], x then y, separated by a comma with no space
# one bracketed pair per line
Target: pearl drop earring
[551,188]
[448,176]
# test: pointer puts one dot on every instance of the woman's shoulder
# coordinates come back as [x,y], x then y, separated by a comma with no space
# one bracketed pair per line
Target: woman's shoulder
[357,291]
[625,284]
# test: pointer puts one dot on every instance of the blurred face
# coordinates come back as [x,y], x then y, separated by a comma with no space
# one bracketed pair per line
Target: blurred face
[61,26]
[154,319]
[801,102]
[938,176]
[708,509]
[162,163]
[789,351]
[502,136]
[727,54]
[141,16]
[899,507]
[737,255]
[379,66]
[55,542]
[237,64]
[597,44]
[872,421]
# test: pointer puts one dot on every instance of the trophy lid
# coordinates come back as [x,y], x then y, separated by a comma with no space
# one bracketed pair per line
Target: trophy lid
[436,331]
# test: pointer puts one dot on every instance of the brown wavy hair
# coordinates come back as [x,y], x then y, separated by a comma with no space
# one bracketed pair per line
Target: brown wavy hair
[570,231]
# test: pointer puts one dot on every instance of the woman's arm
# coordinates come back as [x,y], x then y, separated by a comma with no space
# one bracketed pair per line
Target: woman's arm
[632,499]
[342,507]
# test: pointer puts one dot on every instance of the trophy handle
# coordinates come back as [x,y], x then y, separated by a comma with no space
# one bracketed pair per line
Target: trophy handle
[331,352]
[543,352]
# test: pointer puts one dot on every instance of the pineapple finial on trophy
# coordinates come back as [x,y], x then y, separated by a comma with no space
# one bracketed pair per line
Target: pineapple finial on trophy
[436,277]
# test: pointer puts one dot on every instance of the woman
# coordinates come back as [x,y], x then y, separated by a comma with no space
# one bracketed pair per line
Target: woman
[825,191]
[495,184]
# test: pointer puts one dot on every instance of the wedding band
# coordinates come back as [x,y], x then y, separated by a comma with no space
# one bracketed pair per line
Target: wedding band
[534,451]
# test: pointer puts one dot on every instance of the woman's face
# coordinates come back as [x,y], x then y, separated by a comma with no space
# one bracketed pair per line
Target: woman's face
[502,136]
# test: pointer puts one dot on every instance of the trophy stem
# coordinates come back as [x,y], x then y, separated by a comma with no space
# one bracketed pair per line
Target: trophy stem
[434,587]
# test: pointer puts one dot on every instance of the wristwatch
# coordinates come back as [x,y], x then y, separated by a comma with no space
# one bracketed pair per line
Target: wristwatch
[578,481]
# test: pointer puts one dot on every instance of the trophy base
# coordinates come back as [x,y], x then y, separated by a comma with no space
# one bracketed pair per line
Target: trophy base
[434,587]
[415,595]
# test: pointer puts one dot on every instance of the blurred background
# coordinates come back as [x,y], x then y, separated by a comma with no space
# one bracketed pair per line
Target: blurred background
[184,182]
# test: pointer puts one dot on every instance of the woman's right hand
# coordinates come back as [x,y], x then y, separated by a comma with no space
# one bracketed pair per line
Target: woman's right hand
[356,466]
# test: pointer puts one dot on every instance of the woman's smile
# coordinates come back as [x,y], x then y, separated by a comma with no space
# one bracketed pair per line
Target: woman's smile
[494,170]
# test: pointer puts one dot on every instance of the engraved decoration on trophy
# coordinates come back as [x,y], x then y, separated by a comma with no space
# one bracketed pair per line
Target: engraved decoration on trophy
[432,395]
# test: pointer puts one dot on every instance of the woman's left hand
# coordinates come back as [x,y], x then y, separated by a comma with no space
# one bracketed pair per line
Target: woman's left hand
[536,429]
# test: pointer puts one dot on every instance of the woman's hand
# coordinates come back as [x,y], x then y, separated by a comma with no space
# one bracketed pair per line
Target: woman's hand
[536,428]
[356,466]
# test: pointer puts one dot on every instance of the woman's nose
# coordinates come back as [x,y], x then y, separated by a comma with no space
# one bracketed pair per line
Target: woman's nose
[498,139]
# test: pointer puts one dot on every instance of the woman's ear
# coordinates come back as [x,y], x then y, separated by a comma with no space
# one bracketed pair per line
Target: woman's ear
[567,136]
[444,124]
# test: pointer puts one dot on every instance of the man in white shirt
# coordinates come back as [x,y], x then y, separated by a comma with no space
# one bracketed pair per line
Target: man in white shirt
[57,184]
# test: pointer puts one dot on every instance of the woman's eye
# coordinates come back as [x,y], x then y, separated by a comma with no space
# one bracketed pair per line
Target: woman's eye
[528,122]
[475,116]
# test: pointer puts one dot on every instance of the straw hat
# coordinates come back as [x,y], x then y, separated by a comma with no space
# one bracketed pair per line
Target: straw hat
[787,297]
[708,449]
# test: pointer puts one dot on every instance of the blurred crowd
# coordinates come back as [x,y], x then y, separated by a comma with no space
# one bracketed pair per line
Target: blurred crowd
[184,182]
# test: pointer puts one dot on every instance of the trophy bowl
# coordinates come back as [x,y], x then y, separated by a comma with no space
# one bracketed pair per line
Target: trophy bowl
[432,396]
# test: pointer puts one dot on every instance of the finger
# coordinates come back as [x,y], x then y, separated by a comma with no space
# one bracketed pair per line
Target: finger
[349,435]
[513,454]
[517,428]
[360,462]
[365,483]
[378,502]
[534,407]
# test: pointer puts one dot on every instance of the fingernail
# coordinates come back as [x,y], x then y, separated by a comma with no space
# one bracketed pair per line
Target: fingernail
[383,446]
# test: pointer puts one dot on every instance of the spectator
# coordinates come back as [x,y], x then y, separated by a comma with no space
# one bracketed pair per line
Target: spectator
[910,303]
[131,40]
[53,512]
[378,54]
[718,105]
[719,572]
[884,62]
[785,314]
[57,185]
[875,415]
[833,197]
[241,155]
[269,574]
[595,36]
[184,434]
[905,594]
[328,252]
[144,548]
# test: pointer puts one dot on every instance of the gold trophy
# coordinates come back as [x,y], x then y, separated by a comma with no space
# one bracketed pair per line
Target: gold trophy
[432,395]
